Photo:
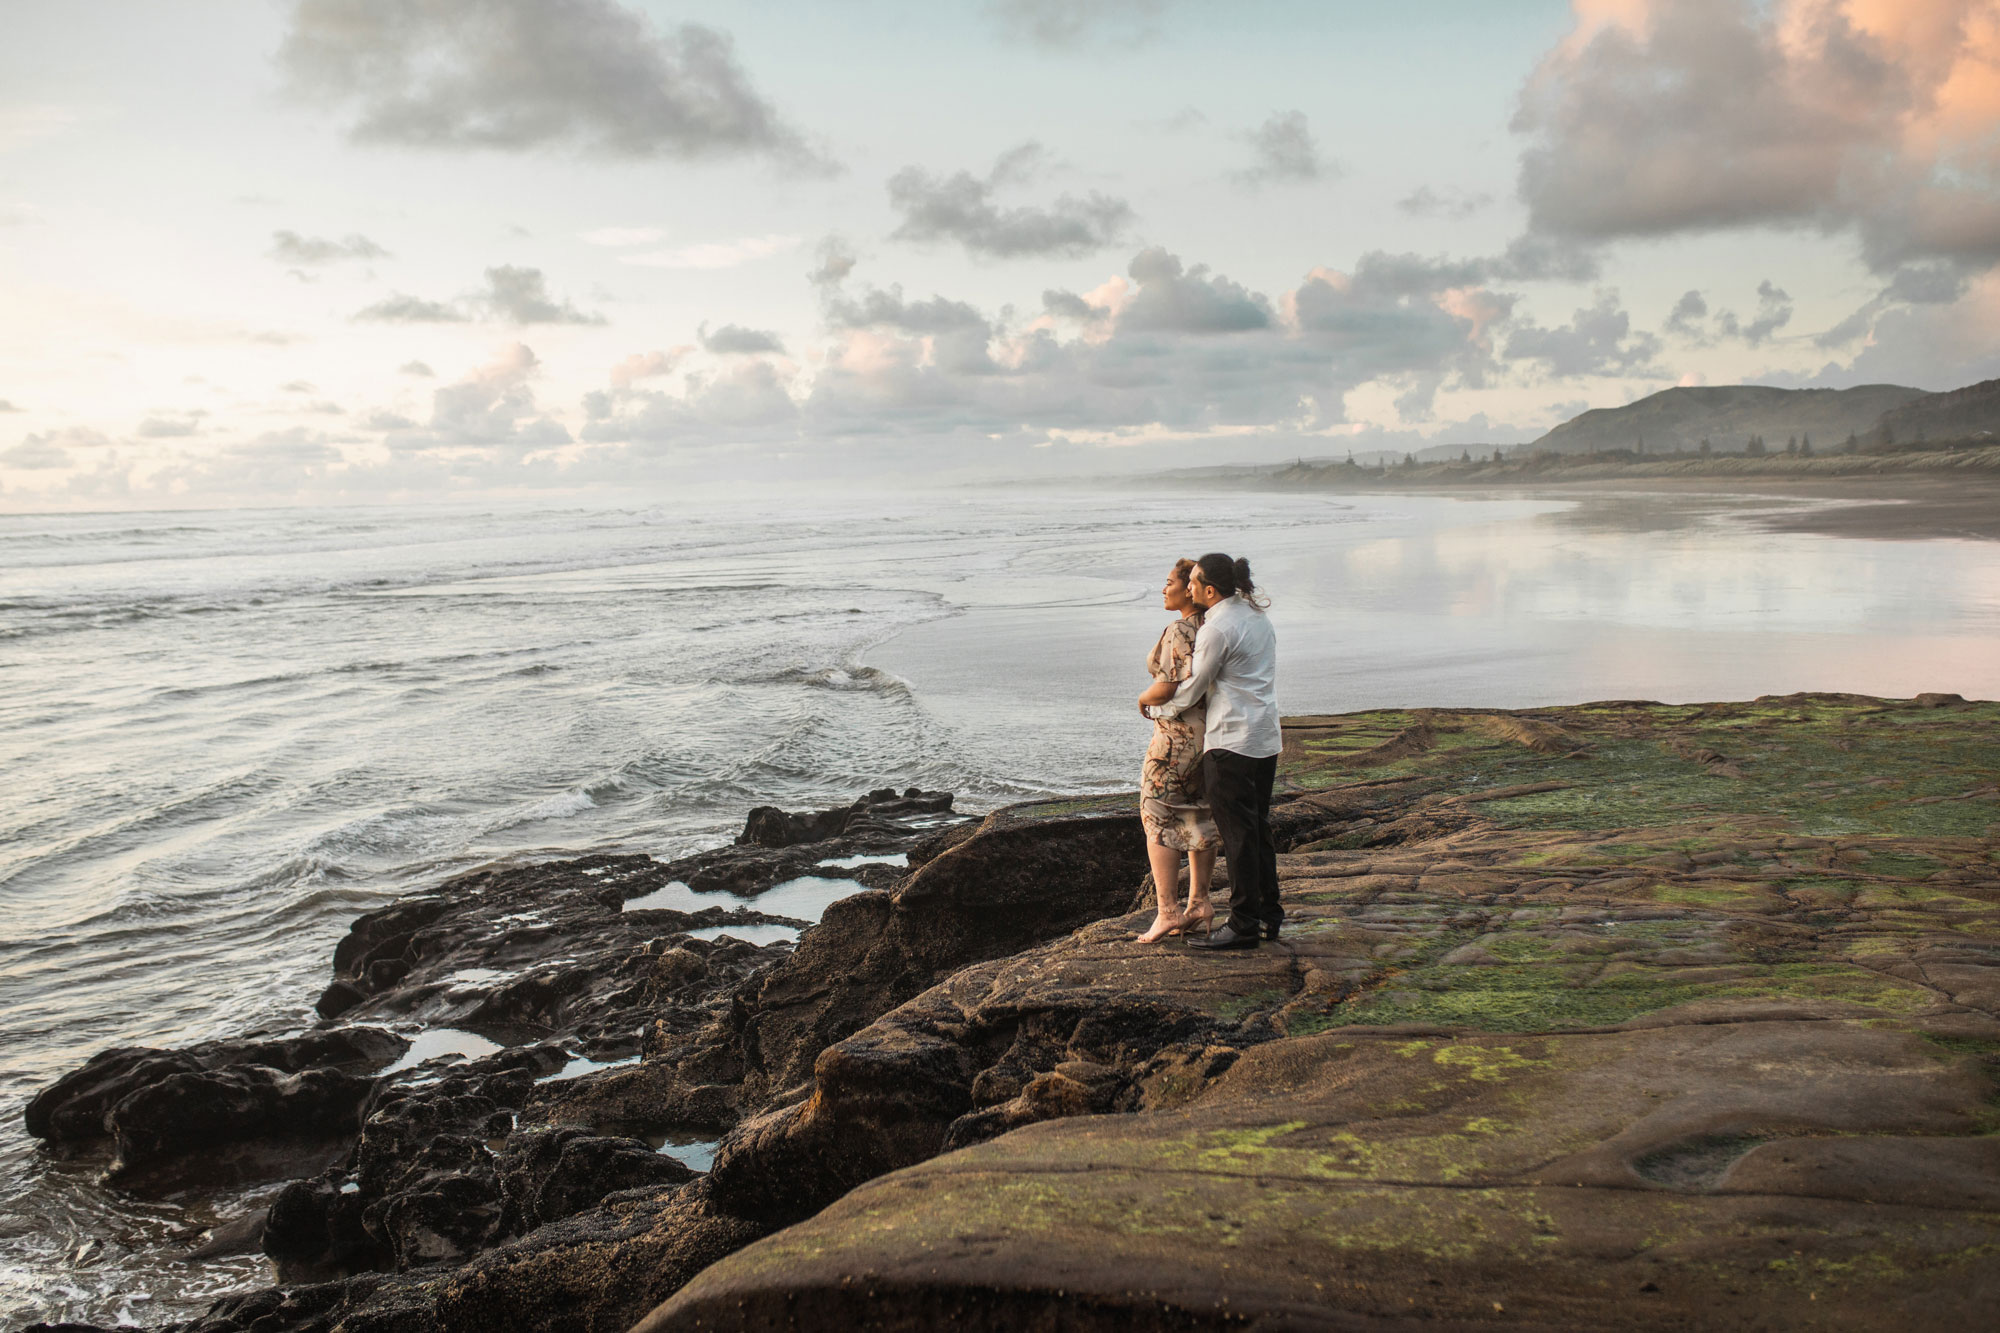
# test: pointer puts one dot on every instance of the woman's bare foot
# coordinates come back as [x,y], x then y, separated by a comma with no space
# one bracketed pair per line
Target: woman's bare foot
[1163,926]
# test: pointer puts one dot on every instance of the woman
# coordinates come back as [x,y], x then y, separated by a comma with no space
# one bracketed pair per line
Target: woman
[1170,797]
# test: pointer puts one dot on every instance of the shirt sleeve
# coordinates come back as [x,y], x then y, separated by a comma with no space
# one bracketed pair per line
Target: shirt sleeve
[1208,653]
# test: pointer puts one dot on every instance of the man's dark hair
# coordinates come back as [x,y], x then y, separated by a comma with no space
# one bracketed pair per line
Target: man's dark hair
[1230,577]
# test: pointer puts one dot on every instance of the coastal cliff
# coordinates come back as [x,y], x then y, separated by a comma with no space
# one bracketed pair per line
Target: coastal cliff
[1621,1014]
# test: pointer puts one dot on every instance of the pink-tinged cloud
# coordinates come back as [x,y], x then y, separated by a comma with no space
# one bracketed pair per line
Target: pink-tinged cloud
[1883,116]
[646,366]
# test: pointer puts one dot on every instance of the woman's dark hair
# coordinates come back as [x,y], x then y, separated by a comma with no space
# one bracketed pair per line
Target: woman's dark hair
[1230,577]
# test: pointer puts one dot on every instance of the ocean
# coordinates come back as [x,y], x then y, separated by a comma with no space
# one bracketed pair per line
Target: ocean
[226,734]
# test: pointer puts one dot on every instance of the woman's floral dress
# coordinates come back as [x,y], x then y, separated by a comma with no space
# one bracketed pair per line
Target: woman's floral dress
[1171,804]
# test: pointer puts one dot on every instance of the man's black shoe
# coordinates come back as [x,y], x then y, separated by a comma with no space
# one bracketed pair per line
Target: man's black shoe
[1271,930]
[1226,938]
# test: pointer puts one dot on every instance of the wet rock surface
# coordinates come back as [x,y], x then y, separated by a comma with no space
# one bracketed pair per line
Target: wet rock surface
[1570,1025]
[1622,1015]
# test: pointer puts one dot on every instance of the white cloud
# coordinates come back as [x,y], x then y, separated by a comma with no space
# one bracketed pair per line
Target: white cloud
[491,408]
[617,238]
[715,254]
[642,366]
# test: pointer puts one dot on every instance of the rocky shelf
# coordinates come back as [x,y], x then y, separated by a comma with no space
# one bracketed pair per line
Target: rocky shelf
[1622,1015]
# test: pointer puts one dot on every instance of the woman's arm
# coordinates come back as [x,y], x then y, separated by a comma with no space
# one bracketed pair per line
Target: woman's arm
[1158,693]
[1208,653]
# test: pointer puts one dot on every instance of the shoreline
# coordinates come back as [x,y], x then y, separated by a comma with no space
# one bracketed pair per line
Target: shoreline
[1891,507]
[1898,497]
[966,1006]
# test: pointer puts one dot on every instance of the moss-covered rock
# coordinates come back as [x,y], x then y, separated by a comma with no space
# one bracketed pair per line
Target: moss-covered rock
[1617,1015]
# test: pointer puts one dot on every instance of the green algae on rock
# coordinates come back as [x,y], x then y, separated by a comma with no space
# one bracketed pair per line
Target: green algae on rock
[1618,1015]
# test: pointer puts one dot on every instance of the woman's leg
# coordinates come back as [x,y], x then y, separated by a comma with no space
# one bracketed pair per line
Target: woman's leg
[1166,863]
[1201,865]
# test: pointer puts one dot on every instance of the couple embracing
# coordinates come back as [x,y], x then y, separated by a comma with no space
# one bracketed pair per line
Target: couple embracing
[1206,783]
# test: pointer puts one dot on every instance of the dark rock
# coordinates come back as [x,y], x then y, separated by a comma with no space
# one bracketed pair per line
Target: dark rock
[1014,884]
[768,826]
[72,1110]
[552,1173]
[937,844]
[187,1112]
[458,1159]
[594,1272]
[243,1235]
[1938,700]
[75,1110]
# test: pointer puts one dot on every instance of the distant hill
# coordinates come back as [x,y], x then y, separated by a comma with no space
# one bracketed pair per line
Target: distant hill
[1727,416]
[1958,415]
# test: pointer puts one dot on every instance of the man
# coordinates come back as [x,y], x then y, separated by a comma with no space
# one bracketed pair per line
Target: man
[1235,664]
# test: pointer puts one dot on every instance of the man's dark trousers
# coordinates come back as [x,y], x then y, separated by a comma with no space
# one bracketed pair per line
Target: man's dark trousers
[1239,794]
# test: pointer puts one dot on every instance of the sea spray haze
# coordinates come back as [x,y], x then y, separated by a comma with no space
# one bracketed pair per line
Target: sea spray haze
[228,733]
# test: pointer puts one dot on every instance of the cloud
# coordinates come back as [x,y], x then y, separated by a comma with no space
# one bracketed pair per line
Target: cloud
[527,74]
[714,254]
[296,444]
[1687,315]
[1059,24]
[35,453]
[288,247]
[51,449]
[1662,116]
[1283,149]
[836,261]
[403,309]
[1936,283]
[493,408]
[1933,345]
[520,296]
[1774,311]
[1598,340]
[416,368]
[734,339]
[1171,298]
[961,208]
[641,366]
[1690,318]
[752,396]
[1167,350]
[6,406]
[1450,202]
[617,238]
[170,426]
[511,295]
[1404,316]
[1532,258]
[1068,305]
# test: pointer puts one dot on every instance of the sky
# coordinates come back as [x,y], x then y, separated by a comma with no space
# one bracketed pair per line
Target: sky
[341,251]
